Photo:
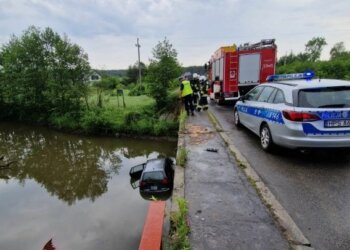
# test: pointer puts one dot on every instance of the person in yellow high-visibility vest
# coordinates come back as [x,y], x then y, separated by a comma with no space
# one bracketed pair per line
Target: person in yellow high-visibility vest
[186,95]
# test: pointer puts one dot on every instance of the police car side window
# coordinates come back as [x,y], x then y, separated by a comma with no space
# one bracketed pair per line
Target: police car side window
[265,94]
[253,94]
[279,98]
[272,96]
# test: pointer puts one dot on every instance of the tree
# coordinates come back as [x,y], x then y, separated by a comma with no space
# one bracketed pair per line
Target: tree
[313,48]
[164,49]
[338,51]
[163,68]
[43,73]
[132,73]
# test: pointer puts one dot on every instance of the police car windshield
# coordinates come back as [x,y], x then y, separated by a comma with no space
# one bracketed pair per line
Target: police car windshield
[329,97]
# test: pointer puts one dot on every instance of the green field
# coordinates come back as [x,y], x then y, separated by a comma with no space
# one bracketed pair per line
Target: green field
[138,117]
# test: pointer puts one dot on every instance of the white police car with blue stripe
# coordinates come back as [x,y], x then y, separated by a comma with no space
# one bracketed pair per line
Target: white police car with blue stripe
[294,111]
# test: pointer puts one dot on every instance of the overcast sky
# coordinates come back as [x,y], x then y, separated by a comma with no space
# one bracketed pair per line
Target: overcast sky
[107,30]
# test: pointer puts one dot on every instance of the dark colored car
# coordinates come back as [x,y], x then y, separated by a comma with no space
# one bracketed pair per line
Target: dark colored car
[157,176]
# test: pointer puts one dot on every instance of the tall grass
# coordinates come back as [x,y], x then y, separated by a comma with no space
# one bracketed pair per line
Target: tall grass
[137,118]
[179,230]
[181,157]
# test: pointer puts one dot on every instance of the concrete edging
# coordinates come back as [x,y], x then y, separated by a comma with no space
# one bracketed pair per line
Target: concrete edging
[289,228]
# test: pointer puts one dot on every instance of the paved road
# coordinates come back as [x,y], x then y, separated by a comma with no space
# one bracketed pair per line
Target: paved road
[225,211]
[314,187]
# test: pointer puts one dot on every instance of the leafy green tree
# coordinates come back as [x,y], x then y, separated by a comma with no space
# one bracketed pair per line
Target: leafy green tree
[163,68]
[43,74]
[313,48]
[132,73]
[338,51]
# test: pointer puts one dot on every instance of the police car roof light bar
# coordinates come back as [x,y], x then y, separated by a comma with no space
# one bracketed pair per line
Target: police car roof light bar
[307,75]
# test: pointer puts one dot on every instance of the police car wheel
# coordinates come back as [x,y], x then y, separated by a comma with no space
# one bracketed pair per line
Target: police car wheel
[266,138]
[236,118]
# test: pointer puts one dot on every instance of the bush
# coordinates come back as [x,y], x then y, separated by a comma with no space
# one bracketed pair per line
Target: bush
[96,121]
[137,90]
[143,127]
[66,121]
[131,117]
[163,127]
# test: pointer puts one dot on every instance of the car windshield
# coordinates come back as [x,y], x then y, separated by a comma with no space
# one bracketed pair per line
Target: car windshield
[153,176]
[329,97]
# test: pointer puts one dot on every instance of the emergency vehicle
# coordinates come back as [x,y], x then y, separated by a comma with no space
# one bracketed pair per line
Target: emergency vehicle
[233,71]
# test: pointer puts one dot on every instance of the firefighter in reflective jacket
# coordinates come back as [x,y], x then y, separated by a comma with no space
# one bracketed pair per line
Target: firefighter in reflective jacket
[203,93]
[195,85]
[186,95]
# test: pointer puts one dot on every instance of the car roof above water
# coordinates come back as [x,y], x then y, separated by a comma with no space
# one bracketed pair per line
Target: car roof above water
[154,165]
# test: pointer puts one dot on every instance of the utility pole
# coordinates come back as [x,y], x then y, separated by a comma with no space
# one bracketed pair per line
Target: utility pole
[138,50]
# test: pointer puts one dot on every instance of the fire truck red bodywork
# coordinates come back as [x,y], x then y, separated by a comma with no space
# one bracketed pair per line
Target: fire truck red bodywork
[234,71]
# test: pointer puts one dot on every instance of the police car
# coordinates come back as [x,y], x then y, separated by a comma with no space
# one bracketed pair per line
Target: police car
[296,111]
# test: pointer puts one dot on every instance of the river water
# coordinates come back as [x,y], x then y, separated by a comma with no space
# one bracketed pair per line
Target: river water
[72,189]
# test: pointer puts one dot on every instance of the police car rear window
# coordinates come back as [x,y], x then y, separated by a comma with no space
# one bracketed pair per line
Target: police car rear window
[329,97]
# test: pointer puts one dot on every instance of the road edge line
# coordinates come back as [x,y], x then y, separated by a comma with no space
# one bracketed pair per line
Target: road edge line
[289,228]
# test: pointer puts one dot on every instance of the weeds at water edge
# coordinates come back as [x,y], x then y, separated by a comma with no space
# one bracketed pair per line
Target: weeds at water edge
[179,230]
[182,121]
[181,156]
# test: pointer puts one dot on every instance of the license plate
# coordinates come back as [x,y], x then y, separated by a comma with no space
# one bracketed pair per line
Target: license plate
[337,123]
[154,188]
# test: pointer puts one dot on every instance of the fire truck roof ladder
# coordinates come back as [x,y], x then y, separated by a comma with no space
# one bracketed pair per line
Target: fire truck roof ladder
[262,44]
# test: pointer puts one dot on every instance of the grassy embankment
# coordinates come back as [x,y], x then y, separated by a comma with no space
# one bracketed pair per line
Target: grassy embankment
[139,116]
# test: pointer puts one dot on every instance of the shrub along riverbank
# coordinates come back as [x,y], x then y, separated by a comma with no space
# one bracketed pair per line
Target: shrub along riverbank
[139,117]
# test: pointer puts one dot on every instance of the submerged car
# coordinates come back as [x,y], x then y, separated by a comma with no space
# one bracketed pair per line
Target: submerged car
[302,113]
[155,176]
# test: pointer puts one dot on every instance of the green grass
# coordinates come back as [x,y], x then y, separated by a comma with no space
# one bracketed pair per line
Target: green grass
[110,100]
[182,121]
[181,156]
[179,230]
[138,118]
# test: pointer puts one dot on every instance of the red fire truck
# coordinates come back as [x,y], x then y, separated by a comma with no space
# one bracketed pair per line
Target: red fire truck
[233,71]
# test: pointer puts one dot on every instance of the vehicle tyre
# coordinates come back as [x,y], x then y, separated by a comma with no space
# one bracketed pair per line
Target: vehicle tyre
[221,101]
[266,141]
[236,119]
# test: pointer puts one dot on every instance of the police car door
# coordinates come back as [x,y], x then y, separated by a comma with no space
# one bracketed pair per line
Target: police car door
[273,115]
[262,109]
[247,106]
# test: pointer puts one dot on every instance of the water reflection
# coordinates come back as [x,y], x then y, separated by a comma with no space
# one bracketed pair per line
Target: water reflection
[72,189]
[67,166]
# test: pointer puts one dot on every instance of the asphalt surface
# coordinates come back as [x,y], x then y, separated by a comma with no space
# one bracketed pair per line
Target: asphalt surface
[313,186]
[225,211]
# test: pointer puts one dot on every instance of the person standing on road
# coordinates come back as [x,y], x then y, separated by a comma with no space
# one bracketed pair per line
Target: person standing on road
[195,88]
[203,93]
[186,95]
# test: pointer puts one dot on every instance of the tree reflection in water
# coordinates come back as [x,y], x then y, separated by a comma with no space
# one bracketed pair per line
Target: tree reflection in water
[69,167]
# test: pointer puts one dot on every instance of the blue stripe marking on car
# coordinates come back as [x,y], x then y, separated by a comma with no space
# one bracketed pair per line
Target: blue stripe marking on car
[310,129]
[269,114]
[333,115]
